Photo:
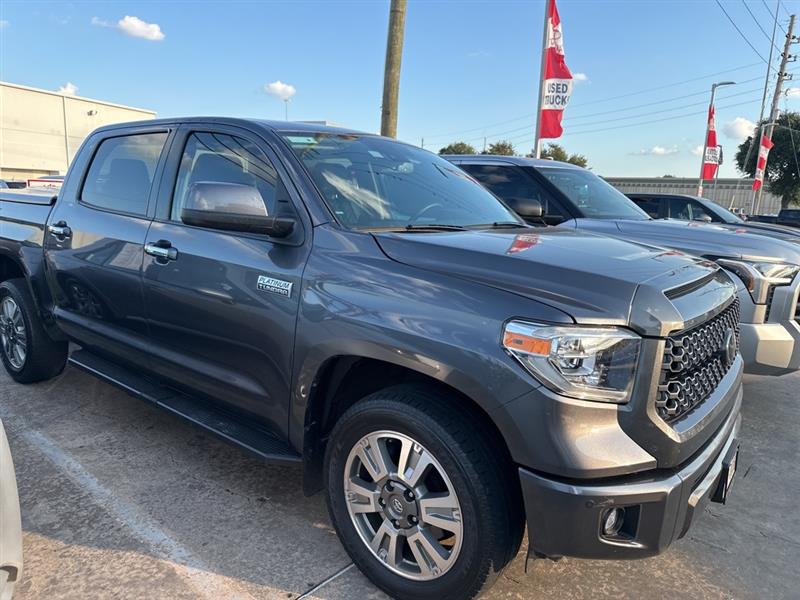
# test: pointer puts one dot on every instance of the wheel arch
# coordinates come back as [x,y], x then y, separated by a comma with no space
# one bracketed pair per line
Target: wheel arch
[343,380]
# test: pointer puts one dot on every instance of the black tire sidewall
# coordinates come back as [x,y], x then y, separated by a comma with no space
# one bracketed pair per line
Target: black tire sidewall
[468,572]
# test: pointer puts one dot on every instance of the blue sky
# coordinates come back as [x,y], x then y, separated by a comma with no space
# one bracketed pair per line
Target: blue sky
[470,68]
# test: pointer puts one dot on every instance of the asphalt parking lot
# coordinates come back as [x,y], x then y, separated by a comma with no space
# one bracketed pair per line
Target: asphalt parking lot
[121,500]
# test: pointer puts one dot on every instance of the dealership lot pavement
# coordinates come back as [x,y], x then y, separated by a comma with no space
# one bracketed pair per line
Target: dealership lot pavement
[121,500]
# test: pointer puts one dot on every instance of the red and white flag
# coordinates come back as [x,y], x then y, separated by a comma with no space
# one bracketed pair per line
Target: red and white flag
[557,80]
[761,165]
[711,159]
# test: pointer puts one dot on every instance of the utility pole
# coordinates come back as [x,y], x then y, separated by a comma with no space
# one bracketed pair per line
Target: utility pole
[391,70]
[776,98]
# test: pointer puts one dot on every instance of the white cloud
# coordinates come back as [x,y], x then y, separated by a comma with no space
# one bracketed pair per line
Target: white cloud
[281,90]
[738,129]
[68,89]
[793,92]
[4,23]
[656,151]
[134,27]
[697,150]
[577,77]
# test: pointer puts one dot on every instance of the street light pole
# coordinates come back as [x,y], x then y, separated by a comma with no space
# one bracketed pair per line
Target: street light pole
[714,87]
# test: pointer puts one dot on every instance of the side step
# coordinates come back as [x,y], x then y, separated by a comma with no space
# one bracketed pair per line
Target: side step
[219,422]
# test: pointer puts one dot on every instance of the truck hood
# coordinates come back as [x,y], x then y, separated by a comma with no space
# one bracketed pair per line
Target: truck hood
[592,278]
[783,232]
[701,239]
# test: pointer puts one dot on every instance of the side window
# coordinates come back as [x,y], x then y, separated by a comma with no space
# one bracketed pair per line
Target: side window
[121,172]
[510,184]
[221,158]
[652,206]
[680,208]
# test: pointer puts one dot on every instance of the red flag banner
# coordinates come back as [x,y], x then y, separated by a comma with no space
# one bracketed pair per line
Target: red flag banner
[761,165]
[557,84]
[711,159]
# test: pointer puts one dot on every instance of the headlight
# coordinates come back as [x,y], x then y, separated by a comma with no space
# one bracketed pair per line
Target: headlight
[760,276]
[589,363]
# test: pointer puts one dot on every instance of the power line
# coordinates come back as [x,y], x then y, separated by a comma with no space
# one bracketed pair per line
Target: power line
[758,24]
[647,122]
[744,37]
[773,15]
[602,100]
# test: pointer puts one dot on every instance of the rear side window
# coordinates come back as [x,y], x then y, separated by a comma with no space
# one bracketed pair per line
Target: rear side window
[652,206]
[511,184]
[219,158]
[121,172]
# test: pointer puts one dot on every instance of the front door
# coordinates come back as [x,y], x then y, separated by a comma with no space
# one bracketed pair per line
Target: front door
[222,305]
[94,241]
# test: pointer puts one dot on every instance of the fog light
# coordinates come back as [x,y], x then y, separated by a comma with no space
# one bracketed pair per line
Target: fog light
[612,521]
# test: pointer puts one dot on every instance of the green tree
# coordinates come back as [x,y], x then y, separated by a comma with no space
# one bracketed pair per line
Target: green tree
[503,148]
[782,176]
[458,148]
[557,152]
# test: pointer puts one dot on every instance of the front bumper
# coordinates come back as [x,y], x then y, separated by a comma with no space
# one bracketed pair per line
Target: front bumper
[771,343]
[565,517]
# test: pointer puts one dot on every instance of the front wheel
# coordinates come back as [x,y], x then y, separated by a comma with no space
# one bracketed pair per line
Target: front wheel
[423,499]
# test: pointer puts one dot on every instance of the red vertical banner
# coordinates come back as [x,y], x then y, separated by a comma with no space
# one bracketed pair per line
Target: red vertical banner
[556,78]
[711,159]
[761,165]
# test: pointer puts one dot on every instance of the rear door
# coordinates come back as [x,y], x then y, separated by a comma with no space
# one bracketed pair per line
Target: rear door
[222,308]
[94,241]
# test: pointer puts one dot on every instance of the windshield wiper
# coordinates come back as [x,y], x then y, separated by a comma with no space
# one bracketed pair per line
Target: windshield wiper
[414,227]
[432,227]
[507,225]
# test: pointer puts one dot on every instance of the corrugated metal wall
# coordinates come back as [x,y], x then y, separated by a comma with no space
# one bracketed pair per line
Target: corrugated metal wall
[730,193]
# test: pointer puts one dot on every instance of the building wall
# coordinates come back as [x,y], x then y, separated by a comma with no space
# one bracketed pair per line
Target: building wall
[728,192]
[40,131]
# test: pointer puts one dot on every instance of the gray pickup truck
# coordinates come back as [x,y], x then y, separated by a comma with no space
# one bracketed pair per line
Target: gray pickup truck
[364,309]
[765,264]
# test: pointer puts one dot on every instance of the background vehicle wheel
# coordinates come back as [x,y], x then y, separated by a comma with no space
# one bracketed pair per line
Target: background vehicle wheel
[423,498]
[28,353]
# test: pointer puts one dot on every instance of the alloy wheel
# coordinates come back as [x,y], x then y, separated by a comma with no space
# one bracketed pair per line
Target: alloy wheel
[403,505]
[12,333]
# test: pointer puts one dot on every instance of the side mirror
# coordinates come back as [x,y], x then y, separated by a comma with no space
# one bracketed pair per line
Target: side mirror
[703,219]
[232,207]
[525,207]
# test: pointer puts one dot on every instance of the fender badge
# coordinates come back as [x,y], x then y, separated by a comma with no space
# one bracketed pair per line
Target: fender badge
[275,286]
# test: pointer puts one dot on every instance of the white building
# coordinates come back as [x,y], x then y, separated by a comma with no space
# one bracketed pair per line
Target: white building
[40,130]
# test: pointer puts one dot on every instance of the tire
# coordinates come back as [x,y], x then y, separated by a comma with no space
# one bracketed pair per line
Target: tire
[476,535]
[42,358]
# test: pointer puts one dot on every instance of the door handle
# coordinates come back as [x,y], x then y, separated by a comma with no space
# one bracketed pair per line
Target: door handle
[60,230]
[162,250]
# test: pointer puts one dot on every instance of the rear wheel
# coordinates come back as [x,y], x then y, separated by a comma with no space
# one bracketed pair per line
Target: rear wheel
[28,353]
[422,498]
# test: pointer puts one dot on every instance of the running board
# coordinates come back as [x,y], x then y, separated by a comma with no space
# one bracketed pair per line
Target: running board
[260,442]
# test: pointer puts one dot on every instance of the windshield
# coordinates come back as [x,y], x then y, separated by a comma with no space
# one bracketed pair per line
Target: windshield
[373,183]
[591,196]
[723,213]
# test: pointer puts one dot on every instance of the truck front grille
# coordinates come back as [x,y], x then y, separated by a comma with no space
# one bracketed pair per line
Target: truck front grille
[695,361]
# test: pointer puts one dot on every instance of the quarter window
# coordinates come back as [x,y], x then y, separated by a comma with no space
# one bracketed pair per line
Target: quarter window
[220,158]
[121,172]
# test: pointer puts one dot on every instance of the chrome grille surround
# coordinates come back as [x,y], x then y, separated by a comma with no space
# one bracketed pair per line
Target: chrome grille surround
[694,365]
